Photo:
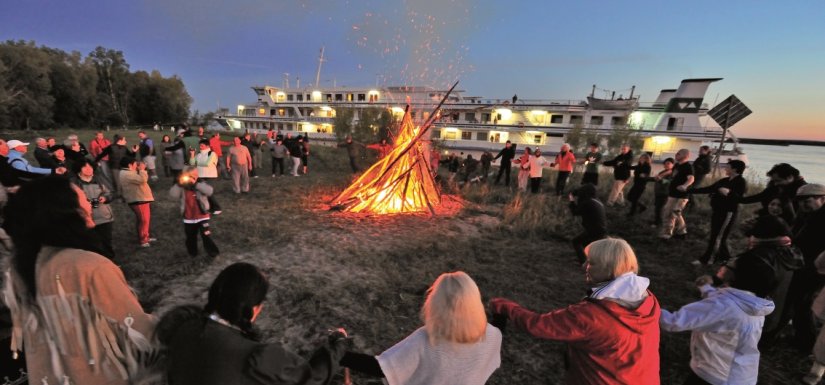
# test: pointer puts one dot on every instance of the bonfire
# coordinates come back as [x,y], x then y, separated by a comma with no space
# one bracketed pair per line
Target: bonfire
[401,182]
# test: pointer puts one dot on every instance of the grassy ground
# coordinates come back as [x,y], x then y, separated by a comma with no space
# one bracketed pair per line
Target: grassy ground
[369,274]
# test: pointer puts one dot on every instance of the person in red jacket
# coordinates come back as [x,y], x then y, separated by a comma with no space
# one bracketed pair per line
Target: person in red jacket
[564,161]
[612,335]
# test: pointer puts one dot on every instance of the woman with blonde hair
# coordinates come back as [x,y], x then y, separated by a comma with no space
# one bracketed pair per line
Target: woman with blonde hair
[456,345]
[612,335]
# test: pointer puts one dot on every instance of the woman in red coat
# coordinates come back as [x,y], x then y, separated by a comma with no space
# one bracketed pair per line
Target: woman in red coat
[613,334]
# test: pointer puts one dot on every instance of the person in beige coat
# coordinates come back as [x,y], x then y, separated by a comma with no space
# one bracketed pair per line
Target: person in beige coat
[134,180]
[71,307]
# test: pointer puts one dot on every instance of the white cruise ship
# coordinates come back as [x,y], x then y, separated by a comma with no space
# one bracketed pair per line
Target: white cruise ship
[473,124]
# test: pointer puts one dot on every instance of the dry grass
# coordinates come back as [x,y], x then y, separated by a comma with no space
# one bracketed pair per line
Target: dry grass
[369,274]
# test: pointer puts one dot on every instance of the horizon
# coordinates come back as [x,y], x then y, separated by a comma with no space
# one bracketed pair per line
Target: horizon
[771,56]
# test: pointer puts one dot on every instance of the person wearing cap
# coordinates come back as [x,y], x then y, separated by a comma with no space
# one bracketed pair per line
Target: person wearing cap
[769,240]
[16,151]
[808,235]
[10,177]
[784,183]
[726,323]
[724,194]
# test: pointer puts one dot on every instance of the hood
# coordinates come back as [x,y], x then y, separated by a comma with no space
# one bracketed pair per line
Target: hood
[628,290]
[640,319]
[748,302]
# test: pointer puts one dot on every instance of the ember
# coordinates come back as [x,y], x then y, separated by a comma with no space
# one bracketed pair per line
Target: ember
[401,182]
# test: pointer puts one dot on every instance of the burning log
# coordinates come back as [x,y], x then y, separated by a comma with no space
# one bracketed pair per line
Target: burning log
[401,182]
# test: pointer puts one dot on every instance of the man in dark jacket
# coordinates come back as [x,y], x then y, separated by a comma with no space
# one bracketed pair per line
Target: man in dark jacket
[352,151]
[724,201]
[621,174]
[42,153]
[506,154]
[701,166]
[583,203]
[785,182]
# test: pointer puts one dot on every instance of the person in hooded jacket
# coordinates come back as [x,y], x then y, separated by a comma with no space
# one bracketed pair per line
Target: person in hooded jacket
[612,335]
[583,203]
[621,174]
[726,324]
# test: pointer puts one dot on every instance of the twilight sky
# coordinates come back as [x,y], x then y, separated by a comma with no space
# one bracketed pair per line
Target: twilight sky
[771,54]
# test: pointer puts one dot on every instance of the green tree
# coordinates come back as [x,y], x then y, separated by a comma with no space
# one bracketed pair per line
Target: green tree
[113,84]
[26,99]
[342,123]
[621,136]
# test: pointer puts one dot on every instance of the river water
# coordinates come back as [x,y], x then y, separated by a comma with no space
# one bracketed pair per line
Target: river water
[807,159]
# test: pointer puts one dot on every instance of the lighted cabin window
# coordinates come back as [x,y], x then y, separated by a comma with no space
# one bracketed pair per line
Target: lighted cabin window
[339,97]
[289,97]
[617,121]
[362,97]
[349,97]
[470,116]
[300,97]
[495,137]
[556,119]
[576,119]
[466,135]
[537,139]
[280,97]
[481,136]
[450,135]
[281,112]
[597,120]
[485,117]
[373,98]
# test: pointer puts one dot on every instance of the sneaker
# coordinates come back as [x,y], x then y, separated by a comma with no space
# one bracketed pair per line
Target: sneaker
[145,245]
[153,239]
[255,176]
[696,263]
[217,212]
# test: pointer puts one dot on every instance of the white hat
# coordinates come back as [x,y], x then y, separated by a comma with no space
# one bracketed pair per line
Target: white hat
[14,143]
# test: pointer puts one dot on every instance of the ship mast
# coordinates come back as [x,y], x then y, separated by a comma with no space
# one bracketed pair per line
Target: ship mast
[320,63]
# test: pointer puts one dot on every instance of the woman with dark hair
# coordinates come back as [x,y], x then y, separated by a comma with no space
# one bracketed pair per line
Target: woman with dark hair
[219,345]
[71,307]
[99,197]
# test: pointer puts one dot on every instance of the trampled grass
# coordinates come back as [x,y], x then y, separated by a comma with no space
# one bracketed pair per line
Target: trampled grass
[369,274]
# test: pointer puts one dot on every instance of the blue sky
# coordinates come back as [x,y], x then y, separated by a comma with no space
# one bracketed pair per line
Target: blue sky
[770,54]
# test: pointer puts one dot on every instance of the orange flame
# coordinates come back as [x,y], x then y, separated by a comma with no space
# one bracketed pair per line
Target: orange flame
[400,182]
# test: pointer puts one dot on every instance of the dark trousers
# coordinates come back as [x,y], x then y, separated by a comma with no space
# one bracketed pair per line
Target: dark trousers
[104,233]
[635,195]
[804,284]
[581,241]
[693,379]
[721,224]
[213,203]
[278,163]
[191,230]
[353,164]
[561,181]
[504,169]
[658,204]
[535,183]
[591,177]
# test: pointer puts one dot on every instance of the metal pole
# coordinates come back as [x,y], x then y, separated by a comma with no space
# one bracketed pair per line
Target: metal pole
[722,142]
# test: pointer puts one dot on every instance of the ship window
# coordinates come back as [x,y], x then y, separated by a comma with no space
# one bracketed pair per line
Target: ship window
[437,134]
[281,112]
[466,135]
[339,97]
[481,136]
[449,135]
[556,119]
[349,97]
[329,97]
[272,112]
[470,116]
[300,97]
[597,120]
[362,97]
[289,97]
[576,119]
[485,117]
[495,137]
[617,121]
[537,139]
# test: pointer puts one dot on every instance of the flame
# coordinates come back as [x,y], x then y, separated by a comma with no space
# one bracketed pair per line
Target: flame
[400,182]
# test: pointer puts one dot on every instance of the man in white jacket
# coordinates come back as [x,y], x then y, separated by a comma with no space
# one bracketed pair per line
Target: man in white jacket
[726,324]
[537,163]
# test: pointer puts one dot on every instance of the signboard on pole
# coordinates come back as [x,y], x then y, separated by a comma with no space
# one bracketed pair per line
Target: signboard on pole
[729,112]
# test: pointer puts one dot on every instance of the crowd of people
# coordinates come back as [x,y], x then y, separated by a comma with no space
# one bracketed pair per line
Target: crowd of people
[78,322]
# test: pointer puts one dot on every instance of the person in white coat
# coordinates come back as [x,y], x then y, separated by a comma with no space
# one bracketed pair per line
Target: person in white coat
[726,324]
[537,163]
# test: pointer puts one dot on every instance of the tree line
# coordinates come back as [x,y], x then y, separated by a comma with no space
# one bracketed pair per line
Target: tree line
[43,87]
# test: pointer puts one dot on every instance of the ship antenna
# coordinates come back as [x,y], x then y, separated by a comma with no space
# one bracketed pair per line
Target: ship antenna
[320,63]
[286,80]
